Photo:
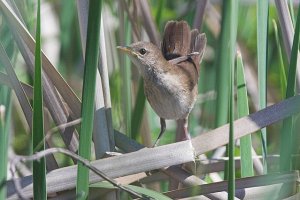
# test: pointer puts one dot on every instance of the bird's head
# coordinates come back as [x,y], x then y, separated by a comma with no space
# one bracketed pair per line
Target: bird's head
[145,55]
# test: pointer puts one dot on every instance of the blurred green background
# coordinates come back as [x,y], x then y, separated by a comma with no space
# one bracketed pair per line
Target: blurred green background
[62,44]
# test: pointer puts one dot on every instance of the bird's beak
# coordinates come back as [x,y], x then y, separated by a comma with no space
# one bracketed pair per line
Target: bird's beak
[127,50]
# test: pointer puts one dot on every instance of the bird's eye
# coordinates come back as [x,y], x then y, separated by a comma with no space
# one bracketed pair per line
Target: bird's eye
[143,51]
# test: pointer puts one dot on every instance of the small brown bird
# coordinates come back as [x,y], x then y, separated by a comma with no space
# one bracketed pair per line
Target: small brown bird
[171,73]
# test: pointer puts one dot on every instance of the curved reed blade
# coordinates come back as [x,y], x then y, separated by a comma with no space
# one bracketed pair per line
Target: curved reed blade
[287,136]
[88,95]
[262,54]
[39,168]
[243,110]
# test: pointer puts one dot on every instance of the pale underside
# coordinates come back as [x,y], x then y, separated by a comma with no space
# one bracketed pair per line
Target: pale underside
[168,98]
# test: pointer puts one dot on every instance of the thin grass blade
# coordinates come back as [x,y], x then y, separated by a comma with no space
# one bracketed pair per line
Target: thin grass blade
[103,141]
[287,135]
[223,68]
[286,25]
[88,95]
[140,190]
[225,62]
[243,110]
[5,113]
[127,83]
[159,12]
[291,7]
[222,74]
[282,74]
[233,6]
[231,146]
[39,168]
[262,54]
[199,15]
[149,193]
[16,85]
[103,69]
[287,30]
[148,22]
[125,39]
[138,110]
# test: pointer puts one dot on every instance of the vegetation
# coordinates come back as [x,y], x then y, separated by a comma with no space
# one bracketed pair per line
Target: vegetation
[48,99]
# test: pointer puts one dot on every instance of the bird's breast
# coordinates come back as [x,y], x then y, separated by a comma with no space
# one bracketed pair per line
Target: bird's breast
[168,97]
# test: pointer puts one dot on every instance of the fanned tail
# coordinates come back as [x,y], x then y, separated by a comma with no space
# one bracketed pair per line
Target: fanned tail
[198,44]
[179,40]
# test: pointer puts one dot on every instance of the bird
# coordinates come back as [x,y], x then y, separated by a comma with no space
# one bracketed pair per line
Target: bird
[171,72]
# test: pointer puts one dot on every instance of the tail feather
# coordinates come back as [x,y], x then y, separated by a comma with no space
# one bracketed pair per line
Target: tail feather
[179,40]
[183,37]
[167,44]
[194,34]
[176,39]
[198,44]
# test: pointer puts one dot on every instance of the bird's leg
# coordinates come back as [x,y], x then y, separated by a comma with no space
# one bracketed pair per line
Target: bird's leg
[162,130]
[182,132]
[186,134]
